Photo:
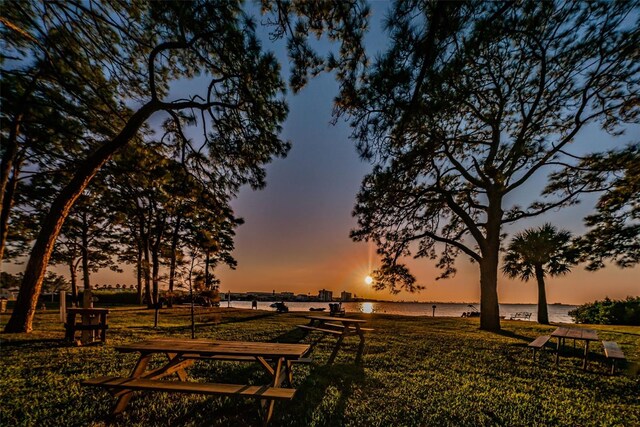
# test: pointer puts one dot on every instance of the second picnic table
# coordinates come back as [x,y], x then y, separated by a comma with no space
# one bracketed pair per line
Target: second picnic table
[92,319]
[586,335]
[340,326]
[275,358]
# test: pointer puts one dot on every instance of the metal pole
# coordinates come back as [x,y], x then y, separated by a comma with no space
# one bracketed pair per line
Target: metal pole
[434,310]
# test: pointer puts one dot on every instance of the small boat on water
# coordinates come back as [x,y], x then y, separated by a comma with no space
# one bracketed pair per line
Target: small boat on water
[317,309]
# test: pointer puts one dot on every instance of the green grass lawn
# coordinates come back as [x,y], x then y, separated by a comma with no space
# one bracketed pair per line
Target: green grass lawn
[416,371]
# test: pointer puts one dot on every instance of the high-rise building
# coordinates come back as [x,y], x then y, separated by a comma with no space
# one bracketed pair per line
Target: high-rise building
[325,295]
[346,296]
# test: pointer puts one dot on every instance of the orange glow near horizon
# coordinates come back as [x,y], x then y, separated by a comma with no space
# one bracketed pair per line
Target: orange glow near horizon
[343,271]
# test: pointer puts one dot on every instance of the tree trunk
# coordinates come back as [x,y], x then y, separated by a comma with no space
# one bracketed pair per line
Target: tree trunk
[147,272]
[10,151]
[22,317]
[7,204]
[155,259]
[489,308]
[206,271]
[9,156]
[174,253]
[74,282]
[543,315]
[84,251]
[139,273]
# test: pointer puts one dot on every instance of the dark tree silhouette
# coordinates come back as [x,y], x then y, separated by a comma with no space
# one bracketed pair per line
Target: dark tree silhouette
[469,103]
[614,228]
[150,45]
[539,252]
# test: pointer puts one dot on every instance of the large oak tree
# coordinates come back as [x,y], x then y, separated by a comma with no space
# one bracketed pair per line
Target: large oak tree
[469,104]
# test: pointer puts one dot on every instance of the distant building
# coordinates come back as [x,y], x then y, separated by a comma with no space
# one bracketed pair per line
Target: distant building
[325,295]
[261,296]
[346,296]
[286,296]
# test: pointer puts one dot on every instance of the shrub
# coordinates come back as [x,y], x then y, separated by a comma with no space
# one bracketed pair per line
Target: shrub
[609,312]
[113,298]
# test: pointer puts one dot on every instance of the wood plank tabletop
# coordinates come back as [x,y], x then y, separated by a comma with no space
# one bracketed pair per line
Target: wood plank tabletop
[215,348]
[336,319]
[575,333]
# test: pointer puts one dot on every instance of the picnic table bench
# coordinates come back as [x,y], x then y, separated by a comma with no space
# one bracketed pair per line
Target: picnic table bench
[341,327]
[275,358]
[522,315]
[613,352]
[538,344]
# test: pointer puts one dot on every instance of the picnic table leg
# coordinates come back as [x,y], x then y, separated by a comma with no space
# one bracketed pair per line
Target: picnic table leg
[181,373]
[336,348]
[136,372]
[558,351]
[103,332]
[361,345]
[266,365]
[71,326]
[289,372]
[586,354]
[268,404]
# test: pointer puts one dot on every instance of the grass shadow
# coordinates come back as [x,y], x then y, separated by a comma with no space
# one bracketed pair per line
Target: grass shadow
[511,334]
[292,336]
[315,397]
[36,344]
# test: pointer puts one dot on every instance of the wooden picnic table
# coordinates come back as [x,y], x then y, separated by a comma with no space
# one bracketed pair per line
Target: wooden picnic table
[92,319]
[586,335]
[275,358]
[340,326]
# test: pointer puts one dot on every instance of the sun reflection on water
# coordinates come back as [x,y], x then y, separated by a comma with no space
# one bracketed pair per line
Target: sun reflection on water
[366,307]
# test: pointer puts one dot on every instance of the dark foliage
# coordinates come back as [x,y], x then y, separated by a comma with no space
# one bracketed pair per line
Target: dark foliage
[609,312]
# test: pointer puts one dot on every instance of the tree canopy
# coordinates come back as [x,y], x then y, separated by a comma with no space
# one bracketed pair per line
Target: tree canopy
[537,253]
[126,56]
[469,103]
[106,67]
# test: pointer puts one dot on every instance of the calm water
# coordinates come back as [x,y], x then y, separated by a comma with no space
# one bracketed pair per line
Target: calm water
[557,313]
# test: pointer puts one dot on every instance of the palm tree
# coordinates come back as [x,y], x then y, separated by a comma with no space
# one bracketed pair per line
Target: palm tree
[539,252]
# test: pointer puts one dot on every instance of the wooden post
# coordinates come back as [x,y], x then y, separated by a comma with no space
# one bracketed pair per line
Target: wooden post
[155,317]
[88,336]
[63,306]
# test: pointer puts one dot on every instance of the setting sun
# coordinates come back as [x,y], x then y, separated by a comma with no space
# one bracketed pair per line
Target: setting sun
[368,280]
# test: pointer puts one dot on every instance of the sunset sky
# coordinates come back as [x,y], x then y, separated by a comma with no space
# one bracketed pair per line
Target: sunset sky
[296,235]
[296,232]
